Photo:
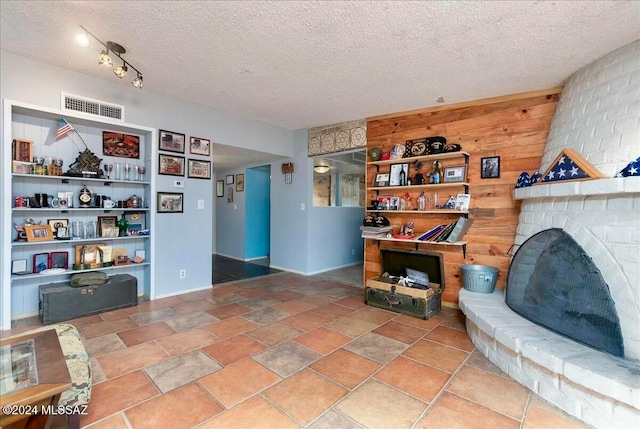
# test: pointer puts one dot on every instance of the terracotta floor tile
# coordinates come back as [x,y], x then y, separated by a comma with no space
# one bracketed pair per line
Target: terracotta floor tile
[333,420]
[322,340]
[295,306]
[376,347]
[400,332]
[111,397]
[456,322]
[131,359]
[150,332]
[427,325]
[354,302]
[233,349]
[200,295]
[229,310]
[237,382]
[451,337]
[226,290]
[351,326]
[306,321]
[401,374]
[286,358]
[253,413]
[186,341]
[285,295]
[190,307]
[542,415]
[180,370]
[87,320]
[123,312]
[104,344]
[478,360]
[437,355]
[274,333]
[254,293]
[375,315]
[333,311]
[191,321]
[113,422]
[104,328]
[346,368]
[318,299]
[453,412]
[265,316]
[305,395]
[159,304]
[498,393]
[230,327]
[375,405]
[143,319]
[183,407]
[259,303]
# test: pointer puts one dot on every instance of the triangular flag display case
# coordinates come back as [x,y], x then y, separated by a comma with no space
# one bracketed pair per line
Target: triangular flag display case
[570,165]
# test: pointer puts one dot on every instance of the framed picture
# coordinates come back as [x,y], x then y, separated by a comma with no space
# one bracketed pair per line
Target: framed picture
[40,262]
[396,170]
[239,182]
[120,145]
[229,179]
[199,169]
[89,255]
[199,146]
[59,260]
[19,266]
[171,165]
[170,202]
[55,224]
[136,222]
[106,222]
[171,142]
[38,233]
[220,188]
[381,179]
[454,174]
[490,167]
[229,194]
[22,150]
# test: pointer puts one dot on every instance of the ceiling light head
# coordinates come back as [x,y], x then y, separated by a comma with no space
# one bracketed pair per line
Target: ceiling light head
[105,59]
[117,48]
[321,169]
[83,39]
[121,71]
[137,82]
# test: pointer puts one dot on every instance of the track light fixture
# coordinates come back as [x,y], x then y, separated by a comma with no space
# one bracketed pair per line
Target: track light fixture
[105,60]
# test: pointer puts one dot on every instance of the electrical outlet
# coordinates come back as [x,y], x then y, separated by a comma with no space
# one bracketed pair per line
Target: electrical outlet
[183,274]
[178,184]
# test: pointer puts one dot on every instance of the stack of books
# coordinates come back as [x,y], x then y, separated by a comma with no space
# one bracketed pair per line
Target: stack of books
[449,233]
[374,231]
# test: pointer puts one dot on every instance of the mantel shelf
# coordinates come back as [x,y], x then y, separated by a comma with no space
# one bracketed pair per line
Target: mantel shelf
[583,188]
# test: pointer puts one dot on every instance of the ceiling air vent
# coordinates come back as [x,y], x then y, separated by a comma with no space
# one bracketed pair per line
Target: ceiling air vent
[92,107]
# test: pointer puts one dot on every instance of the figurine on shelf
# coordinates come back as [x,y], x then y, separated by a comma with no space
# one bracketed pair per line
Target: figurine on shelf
[422,202]
[123,226]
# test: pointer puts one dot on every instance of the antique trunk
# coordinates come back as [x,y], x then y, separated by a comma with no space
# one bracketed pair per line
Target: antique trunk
[59,301]
[422,301]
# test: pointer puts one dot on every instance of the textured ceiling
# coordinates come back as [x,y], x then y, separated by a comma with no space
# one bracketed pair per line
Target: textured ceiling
[303,64]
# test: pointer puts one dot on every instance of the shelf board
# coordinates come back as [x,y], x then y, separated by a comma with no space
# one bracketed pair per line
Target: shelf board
[76,209]
[63,179]
[436,243]
[439,185]
[84,240]
[436,211]
[71,271]
[444,155]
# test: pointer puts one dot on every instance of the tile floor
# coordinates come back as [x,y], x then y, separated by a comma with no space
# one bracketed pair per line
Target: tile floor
[288,351]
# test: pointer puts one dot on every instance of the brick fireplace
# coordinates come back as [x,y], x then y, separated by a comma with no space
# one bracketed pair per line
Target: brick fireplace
[598,115]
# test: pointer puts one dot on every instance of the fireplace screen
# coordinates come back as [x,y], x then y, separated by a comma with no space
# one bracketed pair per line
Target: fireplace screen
[554,283]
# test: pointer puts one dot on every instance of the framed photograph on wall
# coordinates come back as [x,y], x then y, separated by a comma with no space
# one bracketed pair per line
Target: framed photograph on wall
[454,174]
[171,165]
[490,167]
[239,182]
[170,202]
[199,169]
[171,142]
[229,179]
[199,146]
[220,188]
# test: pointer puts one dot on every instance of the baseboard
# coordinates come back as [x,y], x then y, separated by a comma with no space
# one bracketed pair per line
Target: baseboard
[182,292]
[313,273]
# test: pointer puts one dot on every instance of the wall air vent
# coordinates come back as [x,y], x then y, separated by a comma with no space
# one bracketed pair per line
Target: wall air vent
[92,107]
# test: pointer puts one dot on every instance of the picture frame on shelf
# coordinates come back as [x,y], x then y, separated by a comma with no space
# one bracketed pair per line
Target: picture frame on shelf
[199,169]
[120,145]
[220,188]
[62,233]
[229,179]
[136,222]
[170,165]
[239,182]
[381,179]
[199,146]
[87,256]
[22,150]
[36,233]
[171,141]
[59,260]
[454,174]
[490,167]
[19,267]
[55,224]
[170,202]
[106,222]
[394,174]
[40,262]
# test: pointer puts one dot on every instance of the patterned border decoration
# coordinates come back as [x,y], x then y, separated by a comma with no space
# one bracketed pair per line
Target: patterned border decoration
[337,137]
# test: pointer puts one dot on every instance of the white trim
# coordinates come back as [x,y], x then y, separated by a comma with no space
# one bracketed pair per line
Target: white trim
[182,292]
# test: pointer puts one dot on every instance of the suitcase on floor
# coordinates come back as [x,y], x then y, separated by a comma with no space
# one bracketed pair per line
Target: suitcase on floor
[60,301]
[423,303]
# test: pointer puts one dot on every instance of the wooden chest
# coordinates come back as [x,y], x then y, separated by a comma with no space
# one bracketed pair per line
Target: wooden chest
[384,293]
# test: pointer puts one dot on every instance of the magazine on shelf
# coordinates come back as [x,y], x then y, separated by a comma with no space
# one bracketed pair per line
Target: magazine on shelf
[461,228]
[433,231]
[445,232]
[463,202]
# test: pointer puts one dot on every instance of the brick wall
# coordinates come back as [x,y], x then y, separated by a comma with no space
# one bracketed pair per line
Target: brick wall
[598,115]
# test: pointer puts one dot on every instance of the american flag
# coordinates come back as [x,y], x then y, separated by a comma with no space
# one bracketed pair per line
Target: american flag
[564,169]
[632,169]
[64,128]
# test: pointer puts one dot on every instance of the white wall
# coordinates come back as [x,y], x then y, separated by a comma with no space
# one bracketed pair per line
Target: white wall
[182,240]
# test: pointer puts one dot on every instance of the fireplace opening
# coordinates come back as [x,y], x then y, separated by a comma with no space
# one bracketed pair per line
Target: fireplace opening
[555,284]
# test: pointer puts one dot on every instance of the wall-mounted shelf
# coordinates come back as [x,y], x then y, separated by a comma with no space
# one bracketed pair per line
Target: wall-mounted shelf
[462,244]
[67,272]
[67,179]
[421,187]
[444,155]
[83,240]
[434,211]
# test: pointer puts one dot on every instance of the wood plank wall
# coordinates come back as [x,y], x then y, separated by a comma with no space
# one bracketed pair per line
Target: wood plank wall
[512,127]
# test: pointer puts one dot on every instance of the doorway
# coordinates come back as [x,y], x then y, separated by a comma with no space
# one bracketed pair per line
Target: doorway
[258,214]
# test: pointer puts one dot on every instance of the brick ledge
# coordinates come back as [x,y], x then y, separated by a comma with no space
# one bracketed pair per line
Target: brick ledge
[610,186]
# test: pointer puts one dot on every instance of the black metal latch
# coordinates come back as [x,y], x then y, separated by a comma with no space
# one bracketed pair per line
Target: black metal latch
[392,299]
